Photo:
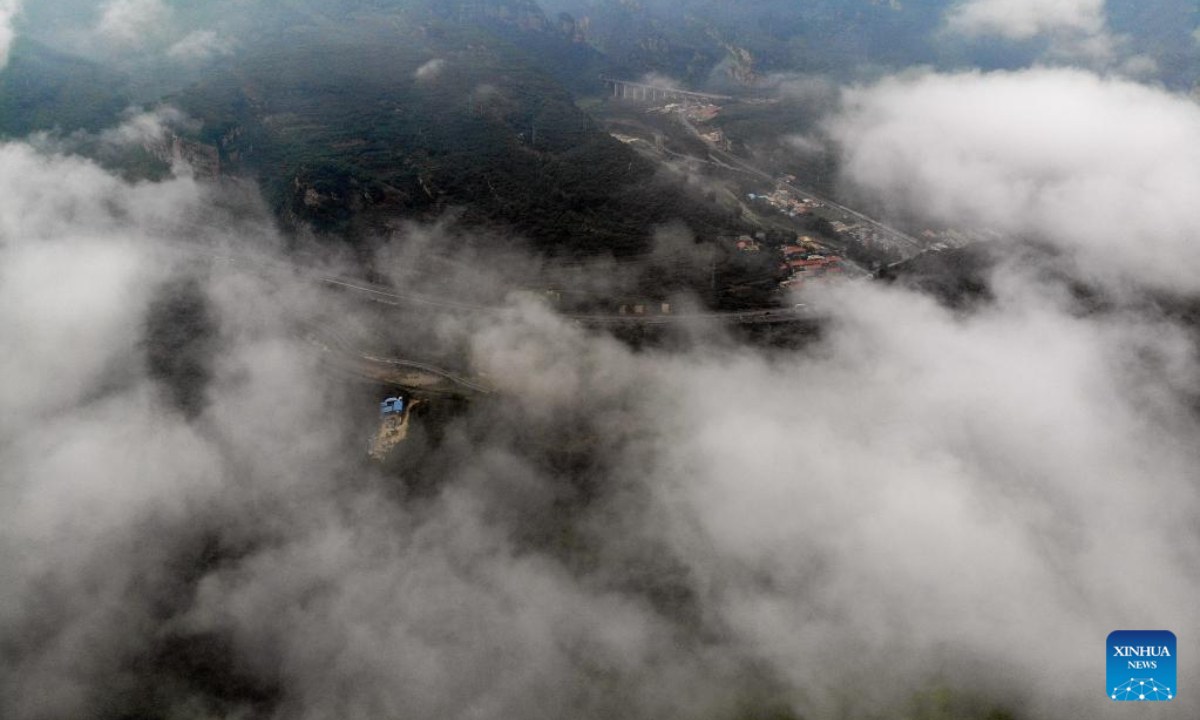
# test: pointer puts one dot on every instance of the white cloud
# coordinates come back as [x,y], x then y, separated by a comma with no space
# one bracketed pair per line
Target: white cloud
[110,491]
[8,11]
[806,144]
[1025,19]
[199,46]
[1077,29]
[868,513]
[658,80]
[1102,166]
[131,23]
[816,90]
[1140,67]
[143,127]
[430,70]
[645,533]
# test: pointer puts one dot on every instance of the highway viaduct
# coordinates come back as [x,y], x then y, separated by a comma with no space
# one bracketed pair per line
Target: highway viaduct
[642,92]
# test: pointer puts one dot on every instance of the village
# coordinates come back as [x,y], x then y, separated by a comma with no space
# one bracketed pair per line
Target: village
[804,260]
[802,238]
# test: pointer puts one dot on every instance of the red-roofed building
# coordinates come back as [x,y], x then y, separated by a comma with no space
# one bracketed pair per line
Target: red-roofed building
[812,266]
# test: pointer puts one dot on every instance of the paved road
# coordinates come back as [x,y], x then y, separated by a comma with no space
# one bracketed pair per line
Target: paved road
[332,340]
[389,296]
[727,158]
[432,369]
[386,295]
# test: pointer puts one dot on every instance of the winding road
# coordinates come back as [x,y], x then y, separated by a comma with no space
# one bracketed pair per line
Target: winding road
[731,161]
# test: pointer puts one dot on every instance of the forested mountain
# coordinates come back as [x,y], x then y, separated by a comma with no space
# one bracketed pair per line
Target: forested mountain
[43,89]
[354,136]
[356,114]
[741,41]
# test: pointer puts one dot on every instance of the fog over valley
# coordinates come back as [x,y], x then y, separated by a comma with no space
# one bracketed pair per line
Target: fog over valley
[595,359]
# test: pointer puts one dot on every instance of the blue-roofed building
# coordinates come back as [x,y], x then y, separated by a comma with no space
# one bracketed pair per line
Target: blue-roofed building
[391,406]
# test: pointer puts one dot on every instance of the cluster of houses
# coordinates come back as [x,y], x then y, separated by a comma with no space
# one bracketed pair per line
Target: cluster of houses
[865,235]
[717,137]
[806,261]
[783,200]
[645,308]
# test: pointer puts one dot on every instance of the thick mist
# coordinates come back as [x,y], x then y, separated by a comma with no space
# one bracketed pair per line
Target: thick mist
[922,512]
[8,10]
[922,501]
[1097,164]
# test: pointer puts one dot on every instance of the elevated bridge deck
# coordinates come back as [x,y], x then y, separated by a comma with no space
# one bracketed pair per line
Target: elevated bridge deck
[642,92]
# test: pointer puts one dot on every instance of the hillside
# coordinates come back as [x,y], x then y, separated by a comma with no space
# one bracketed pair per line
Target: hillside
[742,42]
[350,137]
[355,115]
[42,89]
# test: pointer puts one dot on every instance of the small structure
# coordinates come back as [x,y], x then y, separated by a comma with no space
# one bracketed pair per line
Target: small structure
[807,266]
[644,307]
[391,406]
[396,415]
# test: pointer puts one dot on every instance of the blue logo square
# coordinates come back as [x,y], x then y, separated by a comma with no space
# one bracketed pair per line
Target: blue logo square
[1141,665]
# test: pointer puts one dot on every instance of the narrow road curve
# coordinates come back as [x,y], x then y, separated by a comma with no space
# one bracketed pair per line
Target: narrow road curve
[331,340]
[432,369]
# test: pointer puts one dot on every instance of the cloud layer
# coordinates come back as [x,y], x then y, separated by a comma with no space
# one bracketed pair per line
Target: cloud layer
[130,23]
[1073,30]
[1025,19]
[1101,166]
[198,46]
[918,502]
[8,11]
[430,70]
